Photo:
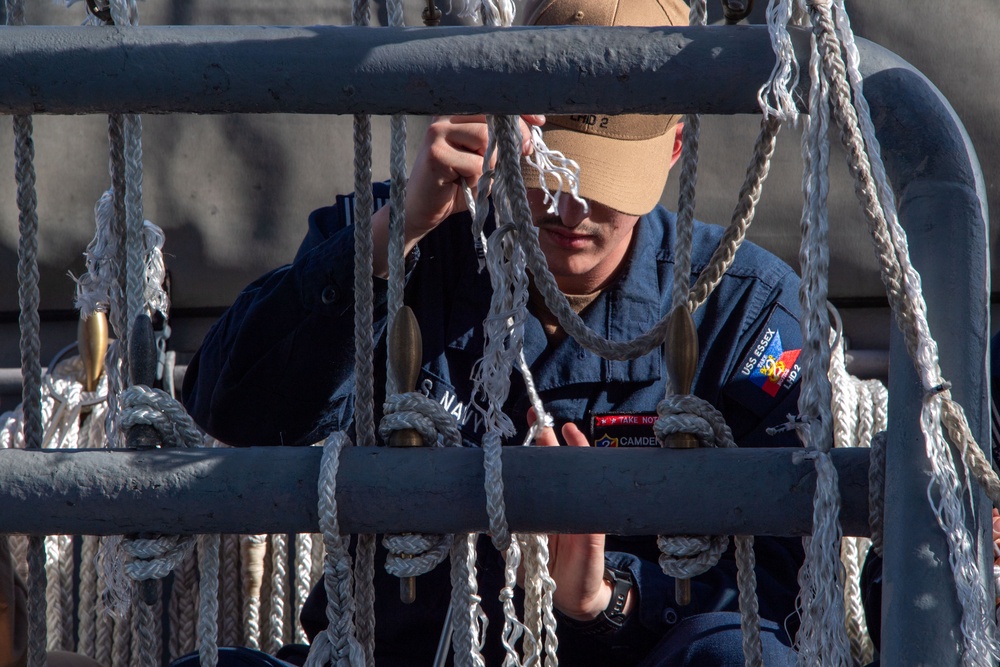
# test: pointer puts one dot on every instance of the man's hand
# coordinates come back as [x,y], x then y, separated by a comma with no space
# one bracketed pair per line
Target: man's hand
[450,157]
[576,562]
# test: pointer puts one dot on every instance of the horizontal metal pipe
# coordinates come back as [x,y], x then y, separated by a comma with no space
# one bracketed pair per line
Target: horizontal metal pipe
[271,490]
[343,70]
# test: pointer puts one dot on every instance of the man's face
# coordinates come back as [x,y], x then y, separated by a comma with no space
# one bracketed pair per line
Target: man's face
[585,248]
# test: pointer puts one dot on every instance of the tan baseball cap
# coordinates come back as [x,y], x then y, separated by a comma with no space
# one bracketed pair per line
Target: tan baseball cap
[624,159]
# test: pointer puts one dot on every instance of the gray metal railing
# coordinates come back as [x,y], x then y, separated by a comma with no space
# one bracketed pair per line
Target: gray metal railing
[930,161]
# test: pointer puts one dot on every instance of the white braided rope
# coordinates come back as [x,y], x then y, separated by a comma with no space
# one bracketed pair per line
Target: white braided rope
[514,633]
[689,556]
[686,556]
[303,577]
[104,642]
[859,408]
[230,625]
[821,638]
[156,609]
[279,593]
[30,346]
[86,612]
[154,407]
[410,554]
[775,97]
[468,622]
[397,212]
[208,600]
[746,581]
[144,628]
[542,622]
[121,639]
[688,181]
[743,214]
[62,402]
[337,644]
[903,288]
[253,551]
[364,404]
[182,608]
[54,616]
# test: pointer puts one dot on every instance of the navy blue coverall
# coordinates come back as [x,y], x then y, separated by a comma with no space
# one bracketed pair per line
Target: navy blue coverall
[277,369]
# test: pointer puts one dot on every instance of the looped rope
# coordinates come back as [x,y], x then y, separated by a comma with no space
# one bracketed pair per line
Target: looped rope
[686,556]
[692,415]
[143,405]
[412,554]
[413,410]
[336,644]
[155,558]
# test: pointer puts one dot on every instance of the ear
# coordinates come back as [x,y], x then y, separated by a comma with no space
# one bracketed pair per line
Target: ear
[678,145]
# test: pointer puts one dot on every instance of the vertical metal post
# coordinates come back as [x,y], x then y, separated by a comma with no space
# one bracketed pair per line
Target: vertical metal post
[941,201]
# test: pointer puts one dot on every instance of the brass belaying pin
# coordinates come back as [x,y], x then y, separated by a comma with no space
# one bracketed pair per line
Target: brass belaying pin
[405,352]
[92,344]
[681,357]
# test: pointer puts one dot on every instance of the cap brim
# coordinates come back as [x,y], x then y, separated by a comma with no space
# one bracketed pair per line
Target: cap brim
[627,176]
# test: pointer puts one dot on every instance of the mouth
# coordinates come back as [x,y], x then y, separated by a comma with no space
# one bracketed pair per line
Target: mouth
[566,239]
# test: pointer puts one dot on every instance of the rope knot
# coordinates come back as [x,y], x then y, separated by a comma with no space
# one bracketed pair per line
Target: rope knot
[155,558]
[686,556]
[427,417]
[692,415]
[154,407]
[413,554]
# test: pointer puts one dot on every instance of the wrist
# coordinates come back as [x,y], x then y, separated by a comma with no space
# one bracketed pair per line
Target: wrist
[618,600]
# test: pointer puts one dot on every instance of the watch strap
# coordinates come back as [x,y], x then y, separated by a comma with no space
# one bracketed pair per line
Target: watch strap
[613,617]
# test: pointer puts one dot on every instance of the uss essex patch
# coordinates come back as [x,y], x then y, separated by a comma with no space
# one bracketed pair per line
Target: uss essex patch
[620,429]
[769,368]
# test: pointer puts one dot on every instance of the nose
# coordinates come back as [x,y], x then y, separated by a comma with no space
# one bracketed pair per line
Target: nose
[571,211]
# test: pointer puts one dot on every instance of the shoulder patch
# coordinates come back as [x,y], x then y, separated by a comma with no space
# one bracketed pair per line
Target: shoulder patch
[620,429]
[769,368]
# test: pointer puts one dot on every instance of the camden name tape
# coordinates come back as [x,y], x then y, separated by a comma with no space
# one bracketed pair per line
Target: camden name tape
[623,430]
[770,368]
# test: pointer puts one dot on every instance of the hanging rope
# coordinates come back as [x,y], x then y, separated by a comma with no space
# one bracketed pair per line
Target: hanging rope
[229,591]
[903,288]
[820,639]
[279,588]
[303,576]
[364,403]
[253,549]
[336,645]
[859,411]
[208,594]
[182,608]
[30,346]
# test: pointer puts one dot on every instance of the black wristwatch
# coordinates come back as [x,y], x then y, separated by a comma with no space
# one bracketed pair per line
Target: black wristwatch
[613,618]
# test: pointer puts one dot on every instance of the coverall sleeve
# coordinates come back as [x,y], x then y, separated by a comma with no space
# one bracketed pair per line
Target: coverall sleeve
[281,359]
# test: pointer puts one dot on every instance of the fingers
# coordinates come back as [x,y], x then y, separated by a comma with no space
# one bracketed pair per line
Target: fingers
[573,436]
[470,132]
